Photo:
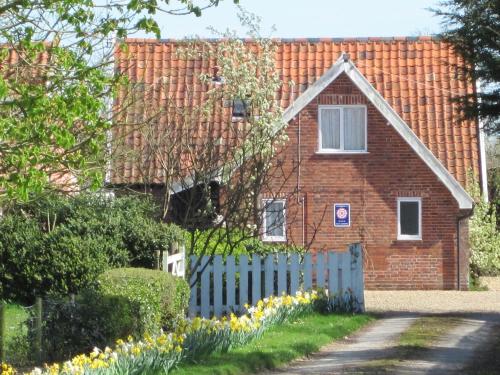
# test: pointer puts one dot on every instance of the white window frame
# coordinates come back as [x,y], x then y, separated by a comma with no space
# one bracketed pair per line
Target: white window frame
[265,236]
[341,150]
[408,237]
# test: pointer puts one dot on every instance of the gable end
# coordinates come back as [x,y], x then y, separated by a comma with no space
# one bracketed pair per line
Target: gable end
[344,65]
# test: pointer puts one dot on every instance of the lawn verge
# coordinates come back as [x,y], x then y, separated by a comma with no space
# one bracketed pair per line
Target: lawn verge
[15,315]
[279,345]
[15,343]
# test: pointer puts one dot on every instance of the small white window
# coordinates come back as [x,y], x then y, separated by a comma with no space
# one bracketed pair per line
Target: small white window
[274,220]
[409,218]
[342,128]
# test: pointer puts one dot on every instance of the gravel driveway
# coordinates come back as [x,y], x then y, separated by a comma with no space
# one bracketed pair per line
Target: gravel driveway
[371,350]
[432,301]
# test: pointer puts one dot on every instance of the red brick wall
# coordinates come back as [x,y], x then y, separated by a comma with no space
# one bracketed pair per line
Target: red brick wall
[371,183]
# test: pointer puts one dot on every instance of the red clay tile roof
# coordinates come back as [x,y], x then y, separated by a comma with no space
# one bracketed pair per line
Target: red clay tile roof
[414,74]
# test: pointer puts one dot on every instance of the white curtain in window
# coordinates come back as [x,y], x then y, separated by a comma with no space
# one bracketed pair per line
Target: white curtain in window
[354,128]
[330,128]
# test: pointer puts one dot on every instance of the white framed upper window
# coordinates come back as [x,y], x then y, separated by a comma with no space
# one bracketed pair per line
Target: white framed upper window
[273,221]
[409,218]
[342,128]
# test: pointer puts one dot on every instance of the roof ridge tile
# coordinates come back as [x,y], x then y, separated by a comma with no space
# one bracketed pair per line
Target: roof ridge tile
[421,38]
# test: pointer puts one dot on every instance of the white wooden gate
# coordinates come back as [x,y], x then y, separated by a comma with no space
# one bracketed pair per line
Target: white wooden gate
[218,288]
[175,263]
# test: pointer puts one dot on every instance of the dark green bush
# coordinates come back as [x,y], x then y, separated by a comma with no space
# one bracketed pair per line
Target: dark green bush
[20,244]
[127,301]
[93,319]
[59,245]
[224,242]
[33,262]
[159,297]
[143,239]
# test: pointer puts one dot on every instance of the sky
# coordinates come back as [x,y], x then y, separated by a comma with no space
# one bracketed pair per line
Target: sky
[313,18]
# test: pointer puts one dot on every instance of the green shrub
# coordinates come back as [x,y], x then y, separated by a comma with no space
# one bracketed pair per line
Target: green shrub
[224,242]
[159,297]
[20,244]
[127,301]
[484,237]
[142,240]
[74,327]
[59,245]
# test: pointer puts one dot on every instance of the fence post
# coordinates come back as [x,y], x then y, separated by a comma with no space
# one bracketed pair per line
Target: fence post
[157,259]
[231,284]
[358,277]
[243,267]
[205,268]
[320,270]
[294,274]
[282,271]
[164,260]
[308,271]
[193,285]
[333,273]
[218,270]
[38,330]
[269,275]
[3,331]
[255,278]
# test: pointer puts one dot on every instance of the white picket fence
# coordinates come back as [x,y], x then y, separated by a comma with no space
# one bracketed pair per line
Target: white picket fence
[218,288]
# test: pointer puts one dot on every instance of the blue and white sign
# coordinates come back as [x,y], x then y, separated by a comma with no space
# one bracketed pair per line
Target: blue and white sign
[342,215]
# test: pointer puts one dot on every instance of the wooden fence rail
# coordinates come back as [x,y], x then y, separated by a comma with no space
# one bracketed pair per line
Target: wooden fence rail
[220,287]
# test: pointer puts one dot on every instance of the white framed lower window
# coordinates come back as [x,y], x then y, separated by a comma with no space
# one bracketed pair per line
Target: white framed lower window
[409,218]
[273,220]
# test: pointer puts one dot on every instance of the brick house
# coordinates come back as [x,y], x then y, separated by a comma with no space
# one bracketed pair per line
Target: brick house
[382,151]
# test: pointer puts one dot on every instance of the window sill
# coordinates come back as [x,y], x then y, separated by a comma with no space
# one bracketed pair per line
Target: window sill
[273,239]
[409,238]
[341,152]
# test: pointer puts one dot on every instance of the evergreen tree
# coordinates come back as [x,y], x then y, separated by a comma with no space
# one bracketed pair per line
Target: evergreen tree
[473,28]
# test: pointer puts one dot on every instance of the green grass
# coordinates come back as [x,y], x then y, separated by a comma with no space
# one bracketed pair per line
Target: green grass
[425,331]
[279,345]
[476,285]
[15,315]
[16,345]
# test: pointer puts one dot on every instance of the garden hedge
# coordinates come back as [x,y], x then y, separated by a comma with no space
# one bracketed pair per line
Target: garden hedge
[234,242]
[127,302]
[159,297]
[59,245]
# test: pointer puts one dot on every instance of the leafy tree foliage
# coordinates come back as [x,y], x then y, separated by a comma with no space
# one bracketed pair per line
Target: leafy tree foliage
[220,160]
[56,84]
[484,236]
[473,28]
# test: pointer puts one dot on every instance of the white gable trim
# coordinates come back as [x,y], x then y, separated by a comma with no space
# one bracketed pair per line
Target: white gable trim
[313,91]
[344,65]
